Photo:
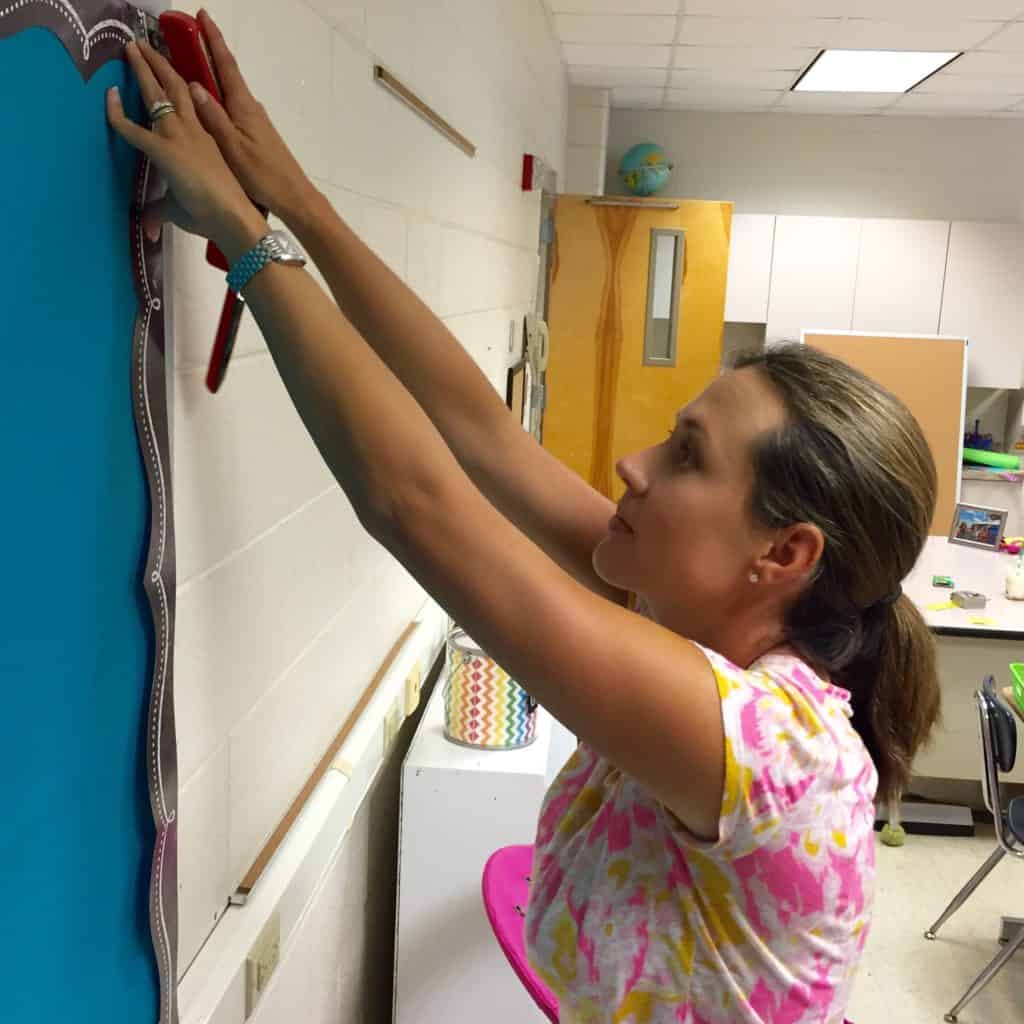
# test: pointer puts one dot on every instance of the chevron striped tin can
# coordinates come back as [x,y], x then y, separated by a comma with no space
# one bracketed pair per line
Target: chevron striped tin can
[483,705]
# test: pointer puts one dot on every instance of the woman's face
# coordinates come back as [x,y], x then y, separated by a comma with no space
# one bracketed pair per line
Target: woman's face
[689,541]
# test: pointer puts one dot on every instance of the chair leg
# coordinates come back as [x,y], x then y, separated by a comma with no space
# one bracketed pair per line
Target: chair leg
[986,975]
[958,900]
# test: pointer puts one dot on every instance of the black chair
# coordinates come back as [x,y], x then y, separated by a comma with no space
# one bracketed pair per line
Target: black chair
[999,750]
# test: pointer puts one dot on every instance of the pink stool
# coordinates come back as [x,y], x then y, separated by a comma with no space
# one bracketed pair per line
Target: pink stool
[506,888]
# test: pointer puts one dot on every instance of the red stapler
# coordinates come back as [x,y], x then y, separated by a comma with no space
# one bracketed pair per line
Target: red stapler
[188,52]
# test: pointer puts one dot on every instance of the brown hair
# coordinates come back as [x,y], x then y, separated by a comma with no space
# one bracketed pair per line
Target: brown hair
[852,460]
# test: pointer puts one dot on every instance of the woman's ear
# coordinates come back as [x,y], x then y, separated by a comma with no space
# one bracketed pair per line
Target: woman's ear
[793,556]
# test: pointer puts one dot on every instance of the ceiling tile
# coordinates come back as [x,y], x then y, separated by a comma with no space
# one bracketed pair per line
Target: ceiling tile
[618,56]
[737,78]
[863,34]
[769,8]
[637,98]
[604,78]
[964,85]
[939,114]
[905,10]
[987,64]
[614,6]
[733,58]
[814,32]
[918,102]
[935,10]
[814,102]
[635,30]
[721,99]
[1010,39]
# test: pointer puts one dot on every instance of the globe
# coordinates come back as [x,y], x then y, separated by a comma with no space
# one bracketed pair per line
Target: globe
[645,169]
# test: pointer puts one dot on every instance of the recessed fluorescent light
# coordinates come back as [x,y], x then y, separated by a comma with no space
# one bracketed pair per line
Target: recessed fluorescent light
[871,70]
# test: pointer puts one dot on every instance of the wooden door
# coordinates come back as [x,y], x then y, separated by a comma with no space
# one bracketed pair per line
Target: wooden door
[604,400]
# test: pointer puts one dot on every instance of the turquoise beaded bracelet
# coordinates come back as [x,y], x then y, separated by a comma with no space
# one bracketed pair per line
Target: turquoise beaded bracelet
[248,267]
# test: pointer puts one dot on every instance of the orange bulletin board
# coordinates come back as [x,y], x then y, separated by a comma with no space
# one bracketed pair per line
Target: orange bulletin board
[929,373]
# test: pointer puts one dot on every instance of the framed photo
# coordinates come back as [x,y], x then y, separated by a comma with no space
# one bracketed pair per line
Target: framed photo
[516,391]
[978,526]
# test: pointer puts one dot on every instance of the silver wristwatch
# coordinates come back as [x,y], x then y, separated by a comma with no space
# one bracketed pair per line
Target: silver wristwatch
[277,247]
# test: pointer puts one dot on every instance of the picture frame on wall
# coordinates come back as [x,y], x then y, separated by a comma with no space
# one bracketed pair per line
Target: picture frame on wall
[978,526]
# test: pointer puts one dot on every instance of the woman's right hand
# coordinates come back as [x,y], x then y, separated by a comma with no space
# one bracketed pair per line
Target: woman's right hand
[250,143]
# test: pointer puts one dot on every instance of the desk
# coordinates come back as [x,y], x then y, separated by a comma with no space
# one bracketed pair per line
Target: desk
[967,652]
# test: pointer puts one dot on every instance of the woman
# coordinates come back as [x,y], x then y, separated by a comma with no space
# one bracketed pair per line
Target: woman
[707,853]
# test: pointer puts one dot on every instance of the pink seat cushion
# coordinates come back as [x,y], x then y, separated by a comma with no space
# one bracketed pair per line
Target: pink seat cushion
[506,888]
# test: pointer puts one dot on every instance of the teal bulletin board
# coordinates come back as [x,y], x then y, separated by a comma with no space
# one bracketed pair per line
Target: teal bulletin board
[87,768]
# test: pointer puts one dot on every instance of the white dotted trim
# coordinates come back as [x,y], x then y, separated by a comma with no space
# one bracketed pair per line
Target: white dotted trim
[158,700]
[111,28]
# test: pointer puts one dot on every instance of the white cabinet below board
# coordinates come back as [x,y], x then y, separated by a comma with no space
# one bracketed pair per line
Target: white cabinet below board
[984,301]
[814,275]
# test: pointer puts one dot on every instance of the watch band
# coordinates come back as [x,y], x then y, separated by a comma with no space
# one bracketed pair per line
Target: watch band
[277,247]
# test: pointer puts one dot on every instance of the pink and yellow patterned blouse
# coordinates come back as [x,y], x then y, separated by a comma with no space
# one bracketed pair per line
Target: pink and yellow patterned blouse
[633,921]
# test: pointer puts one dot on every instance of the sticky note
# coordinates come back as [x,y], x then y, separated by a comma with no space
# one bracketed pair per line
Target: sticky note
[941,606]
[980,620]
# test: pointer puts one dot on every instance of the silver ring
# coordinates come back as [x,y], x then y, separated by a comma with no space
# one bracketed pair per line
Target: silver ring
[161,109]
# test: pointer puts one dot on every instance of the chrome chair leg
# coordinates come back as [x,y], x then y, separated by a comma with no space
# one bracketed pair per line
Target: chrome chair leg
[958,900]
[986,975]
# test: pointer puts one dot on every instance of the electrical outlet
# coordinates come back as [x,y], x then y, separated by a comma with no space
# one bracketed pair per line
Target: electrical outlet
[392,723]
[261,962]
[412,689]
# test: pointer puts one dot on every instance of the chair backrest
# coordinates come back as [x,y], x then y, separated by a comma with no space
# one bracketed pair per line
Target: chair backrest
[1002,728]
[999,752]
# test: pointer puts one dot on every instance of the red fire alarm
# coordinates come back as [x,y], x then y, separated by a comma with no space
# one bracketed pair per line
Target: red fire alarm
[534,172]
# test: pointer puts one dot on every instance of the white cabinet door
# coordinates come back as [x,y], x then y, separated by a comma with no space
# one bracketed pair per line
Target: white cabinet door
[814,274]
[984,300]
[750,268]
[900,272]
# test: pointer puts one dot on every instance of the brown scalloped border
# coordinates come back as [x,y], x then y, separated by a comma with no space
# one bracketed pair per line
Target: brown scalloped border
[94,32]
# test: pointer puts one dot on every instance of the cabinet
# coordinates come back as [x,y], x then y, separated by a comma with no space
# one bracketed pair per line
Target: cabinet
[458,806]
[984,300]
[813,277]
[900,272]
[750,268]
[964,279]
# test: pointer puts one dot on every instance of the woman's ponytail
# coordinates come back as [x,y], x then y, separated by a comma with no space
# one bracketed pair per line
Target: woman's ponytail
[896,694]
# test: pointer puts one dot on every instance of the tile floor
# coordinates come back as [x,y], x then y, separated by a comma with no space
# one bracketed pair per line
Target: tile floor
[905,979]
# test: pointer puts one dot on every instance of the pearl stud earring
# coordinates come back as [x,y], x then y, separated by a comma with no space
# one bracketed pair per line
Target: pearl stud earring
[755,576]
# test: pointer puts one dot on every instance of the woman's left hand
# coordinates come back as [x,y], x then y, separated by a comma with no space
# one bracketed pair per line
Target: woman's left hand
[204,196]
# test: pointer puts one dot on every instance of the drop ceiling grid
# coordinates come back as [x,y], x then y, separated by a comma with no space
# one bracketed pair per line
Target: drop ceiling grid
[744,55]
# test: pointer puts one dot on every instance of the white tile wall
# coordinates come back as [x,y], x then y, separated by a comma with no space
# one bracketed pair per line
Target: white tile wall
[584,170]
[289,45]
[589,114]
[587,125]
[286,606]
[204,880]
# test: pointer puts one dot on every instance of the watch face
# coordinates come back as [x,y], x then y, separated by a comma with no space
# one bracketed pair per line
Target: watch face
[283,249]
